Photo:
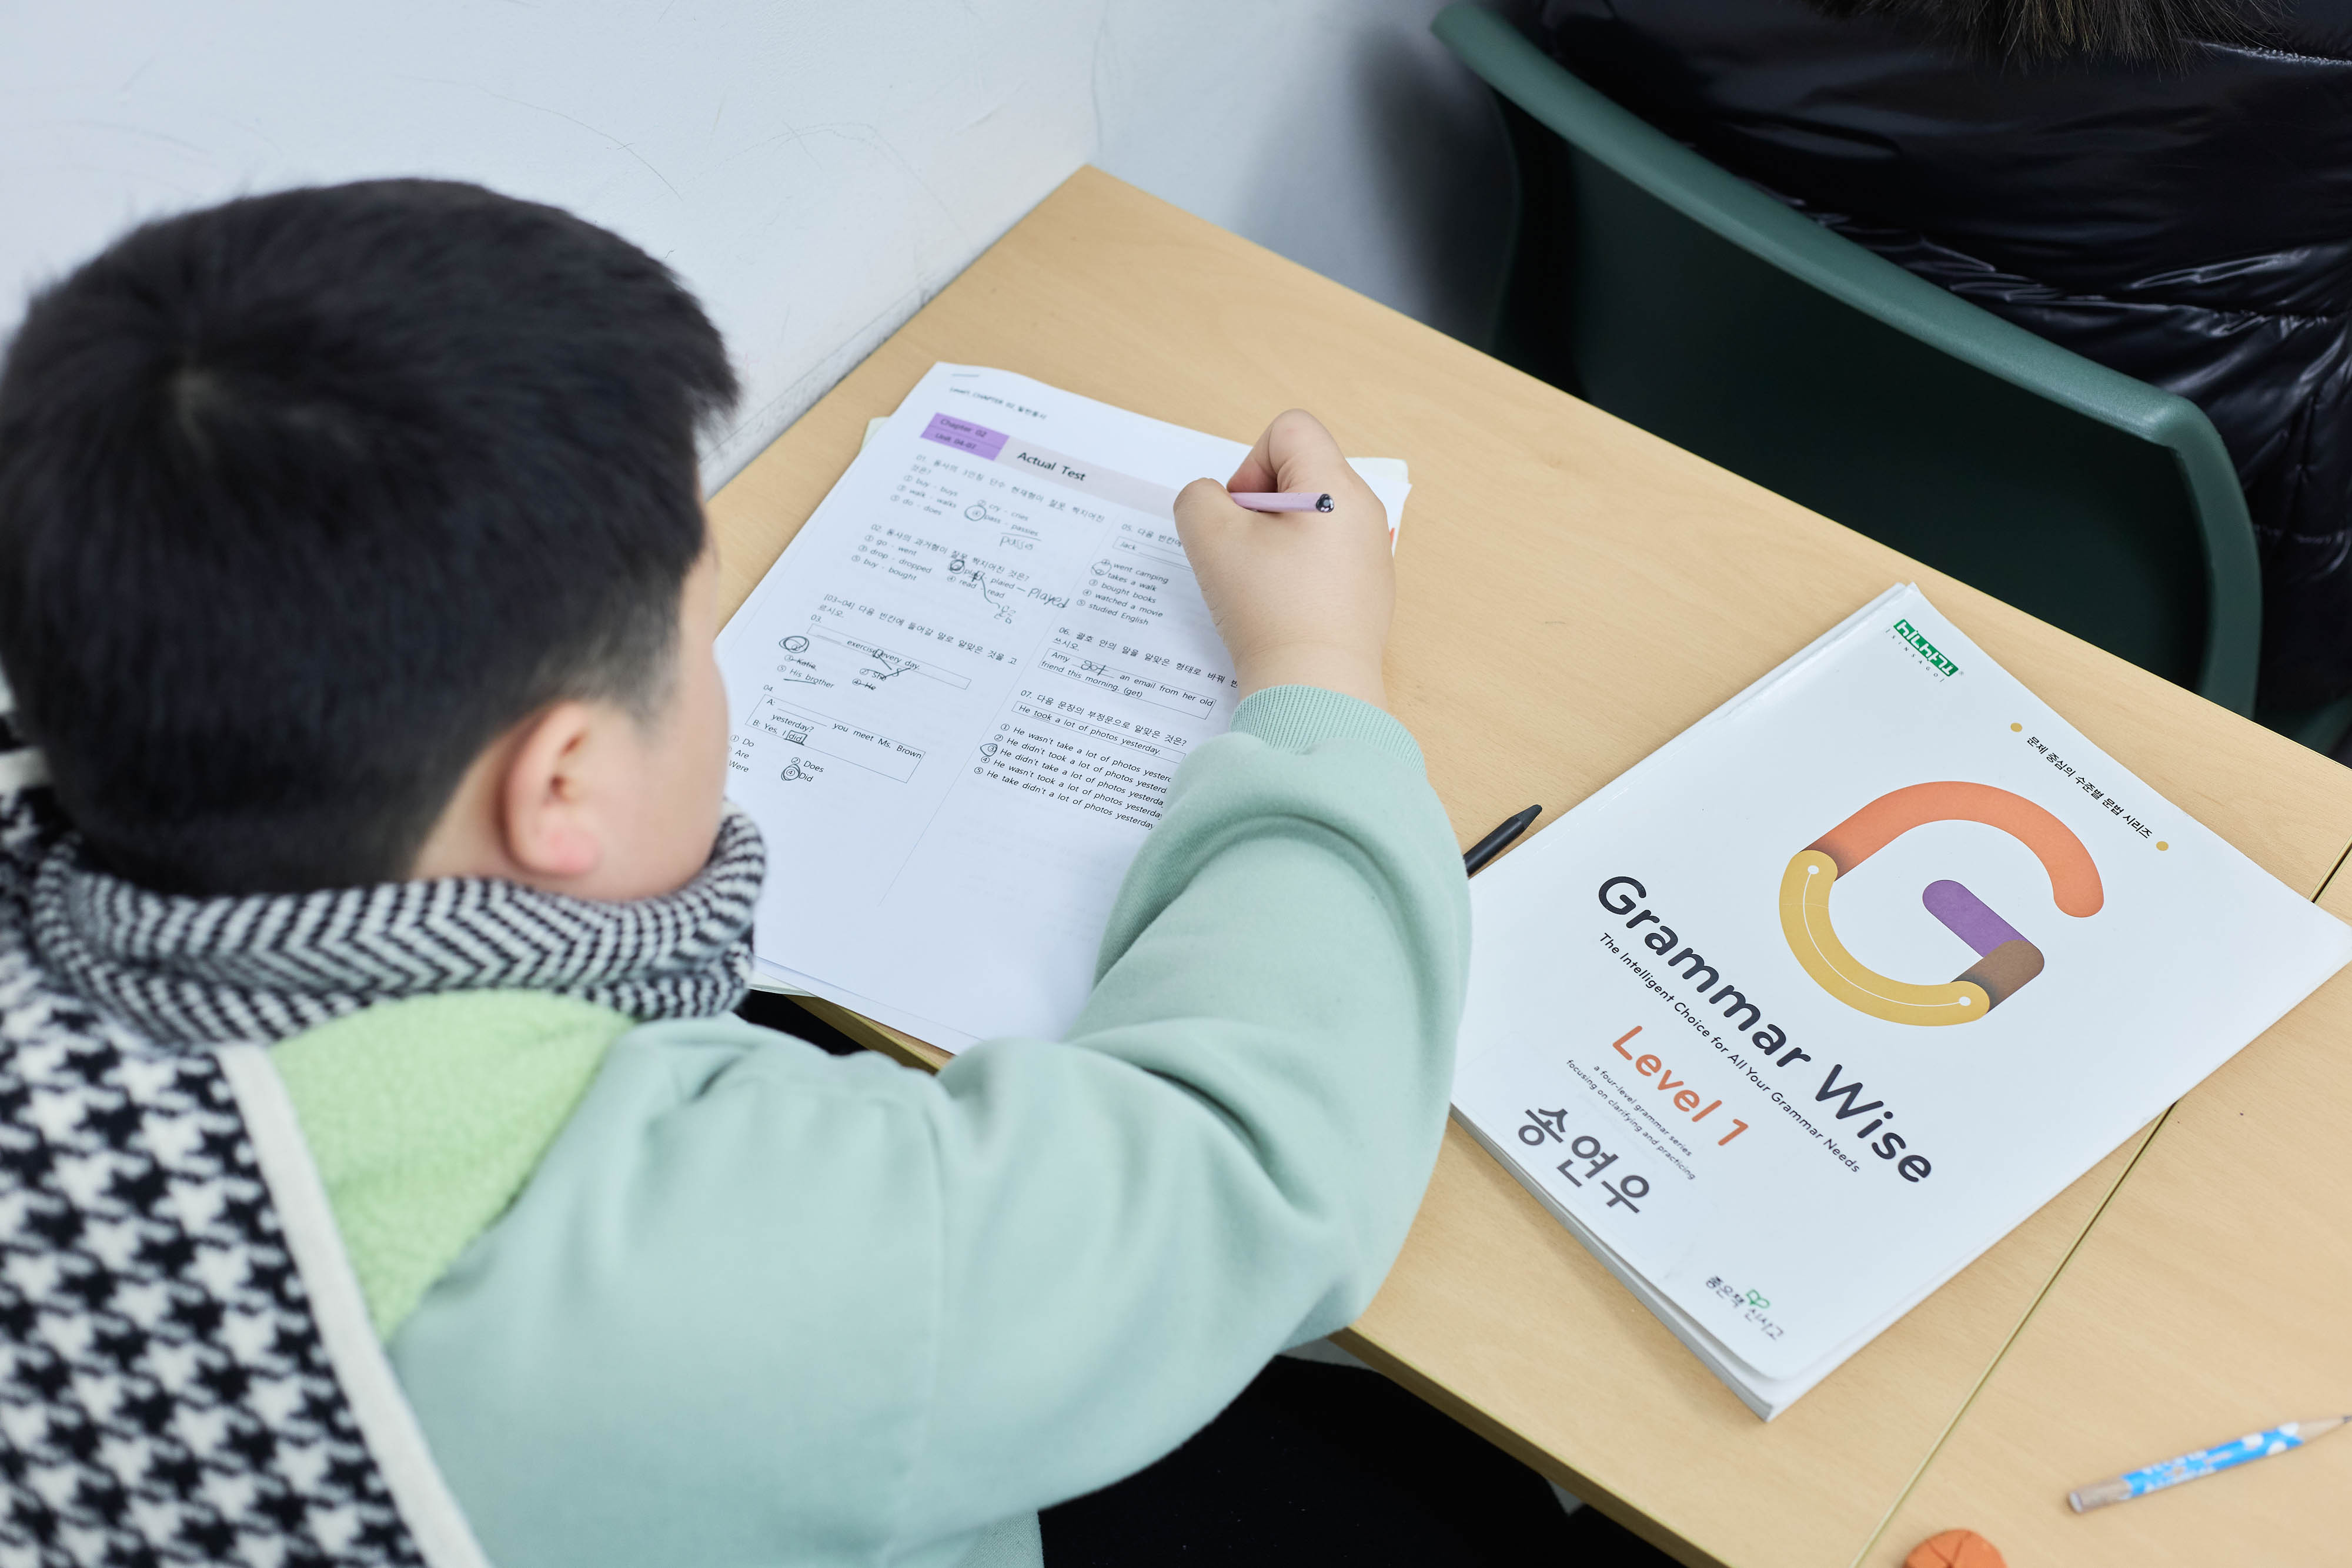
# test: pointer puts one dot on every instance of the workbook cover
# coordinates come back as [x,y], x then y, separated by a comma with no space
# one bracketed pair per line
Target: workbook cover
[1811,1007]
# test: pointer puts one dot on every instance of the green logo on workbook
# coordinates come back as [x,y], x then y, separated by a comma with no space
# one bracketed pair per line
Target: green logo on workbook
[1910,633]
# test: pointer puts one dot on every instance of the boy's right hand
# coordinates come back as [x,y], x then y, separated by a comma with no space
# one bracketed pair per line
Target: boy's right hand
[1300,598]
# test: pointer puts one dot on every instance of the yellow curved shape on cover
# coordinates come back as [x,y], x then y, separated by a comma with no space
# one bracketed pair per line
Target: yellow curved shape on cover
[1805,921]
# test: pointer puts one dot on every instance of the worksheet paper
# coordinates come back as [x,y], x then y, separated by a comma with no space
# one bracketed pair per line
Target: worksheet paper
[961,695]
[1801,1013]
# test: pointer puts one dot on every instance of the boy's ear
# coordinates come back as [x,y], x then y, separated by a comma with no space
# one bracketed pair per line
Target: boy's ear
[546,815]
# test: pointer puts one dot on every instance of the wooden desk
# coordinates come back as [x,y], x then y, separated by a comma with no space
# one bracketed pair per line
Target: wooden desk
[2210,1300]
[1572,592]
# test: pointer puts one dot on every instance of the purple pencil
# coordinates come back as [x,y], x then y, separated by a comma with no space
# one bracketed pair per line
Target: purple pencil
[1283,500]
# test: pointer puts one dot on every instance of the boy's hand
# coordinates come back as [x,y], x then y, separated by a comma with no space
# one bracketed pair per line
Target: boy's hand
[1300,598]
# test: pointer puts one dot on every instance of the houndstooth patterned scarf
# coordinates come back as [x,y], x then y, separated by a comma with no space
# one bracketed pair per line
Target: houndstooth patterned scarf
[187,1374]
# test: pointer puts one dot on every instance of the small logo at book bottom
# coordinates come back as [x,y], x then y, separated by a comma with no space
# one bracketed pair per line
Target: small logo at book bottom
[2005,962]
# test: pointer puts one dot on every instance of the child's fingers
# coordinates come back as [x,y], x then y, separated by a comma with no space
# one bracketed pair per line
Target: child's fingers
[1299,599]
[1293,453]
[1281,440]
[1307,458]
[1204,512]
[1256,472]
[1303,456]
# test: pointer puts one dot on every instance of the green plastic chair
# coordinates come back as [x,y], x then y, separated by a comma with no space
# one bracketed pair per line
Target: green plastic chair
[1670,292]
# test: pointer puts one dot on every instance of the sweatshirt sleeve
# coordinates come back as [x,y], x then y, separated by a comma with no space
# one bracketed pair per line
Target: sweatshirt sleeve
[1225,1157]
[756,1295]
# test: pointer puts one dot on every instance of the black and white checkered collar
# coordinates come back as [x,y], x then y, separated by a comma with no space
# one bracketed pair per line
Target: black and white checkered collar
[187,970]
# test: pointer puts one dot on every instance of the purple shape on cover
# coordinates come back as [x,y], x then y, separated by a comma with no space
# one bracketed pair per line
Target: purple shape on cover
[1965,914]
[965,436]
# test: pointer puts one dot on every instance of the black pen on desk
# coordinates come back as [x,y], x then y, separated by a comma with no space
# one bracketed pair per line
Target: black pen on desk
[1475,858]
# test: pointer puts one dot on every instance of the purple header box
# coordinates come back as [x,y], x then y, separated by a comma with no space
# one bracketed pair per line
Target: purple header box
[1968,917]
[965,436]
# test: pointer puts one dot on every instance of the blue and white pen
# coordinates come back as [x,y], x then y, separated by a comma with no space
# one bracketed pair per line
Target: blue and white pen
[2204,1462]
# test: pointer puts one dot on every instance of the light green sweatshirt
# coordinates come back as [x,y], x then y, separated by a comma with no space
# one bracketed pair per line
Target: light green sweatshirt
[697,1293]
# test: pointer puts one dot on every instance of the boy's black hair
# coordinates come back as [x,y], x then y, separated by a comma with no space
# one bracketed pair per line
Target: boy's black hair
[306,498]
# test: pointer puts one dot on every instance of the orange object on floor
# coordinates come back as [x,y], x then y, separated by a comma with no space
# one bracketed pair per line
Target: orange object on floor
[1955,1549]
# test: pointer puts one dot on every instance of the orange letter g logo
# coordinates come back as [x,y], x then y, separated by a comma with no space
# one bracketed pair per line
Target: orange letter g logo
[2005,960]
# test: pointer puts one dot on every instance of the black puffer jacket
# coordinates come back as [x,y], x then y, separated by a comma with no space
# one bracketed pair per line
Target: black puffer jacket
[2191,227]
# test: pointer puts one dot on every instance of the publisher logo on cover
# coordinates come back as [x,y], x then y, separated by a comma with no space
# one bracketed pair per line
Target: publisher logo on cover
[1925,649]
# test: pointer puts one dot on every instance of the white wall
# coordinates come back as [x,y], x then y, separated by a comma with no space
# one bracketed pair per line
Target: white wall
[814,169]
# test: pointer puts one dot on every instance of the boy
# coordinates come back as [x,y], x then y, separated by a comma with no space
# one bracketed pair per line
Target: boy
[355,584]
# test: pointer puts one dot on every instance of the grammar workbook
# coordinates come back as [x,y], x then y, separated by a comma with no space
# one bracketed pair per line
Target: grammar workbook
[1820,1000]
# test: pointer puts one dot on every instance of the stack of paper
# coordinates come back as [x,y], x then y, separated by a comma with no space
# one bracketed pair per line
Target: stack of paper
[1817,1002]
[961,695]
